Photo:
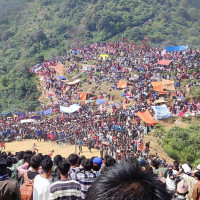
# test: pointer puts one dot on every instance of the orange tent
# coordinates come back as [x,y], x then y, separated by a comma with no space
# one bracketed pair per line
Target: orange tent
[84,95]
[157,83]
[145,116]
[121,84]
[158,88]
[164,62]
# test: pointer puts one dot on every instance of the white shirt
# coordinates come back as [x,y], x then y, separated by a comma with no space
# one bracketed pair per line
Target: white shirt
[41,188]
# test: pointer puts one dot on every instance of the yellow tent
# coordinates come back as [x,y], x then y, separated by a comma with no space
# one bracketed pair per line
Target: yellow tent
[104,56]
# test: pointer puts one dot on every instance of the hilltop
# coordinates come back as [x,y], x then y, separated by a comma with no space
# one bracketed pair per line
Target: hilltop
[32,31]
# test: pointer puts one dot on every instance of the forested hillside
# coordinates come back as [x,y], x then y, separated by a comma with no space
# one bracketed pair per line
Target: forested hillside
[34,30]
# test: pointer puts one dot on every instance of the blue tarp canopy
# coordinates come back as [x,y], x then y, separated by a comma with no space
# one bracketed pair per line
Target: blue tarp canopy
[123,94]
[46,112]
[100,101]
[6,114]
[176,48]
[161,112]
[61,77]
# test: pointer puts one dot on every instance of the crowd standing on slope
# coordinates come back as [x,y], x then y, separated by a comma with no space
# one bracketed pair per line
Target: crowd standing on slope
[25,175]
[117,134]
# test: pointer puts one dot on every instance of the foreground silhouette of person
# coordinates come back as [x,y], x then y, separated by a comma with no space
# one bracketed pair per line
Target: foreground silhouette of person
[127,181]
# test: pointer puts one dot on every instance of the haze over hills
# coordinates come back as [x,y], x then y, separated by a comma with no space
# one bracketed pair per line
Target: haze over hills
[33,30]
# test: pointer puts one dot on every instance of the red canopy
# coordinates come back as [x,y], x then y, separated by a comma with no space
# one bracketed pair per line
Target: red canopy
[164,62]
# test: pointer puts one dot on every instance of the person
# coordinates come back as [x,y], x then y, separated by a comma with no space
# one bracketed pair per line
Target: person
[90,145]
[42,182]
[73,160]
[51,153]
[191,181]
[3,145]
[126,180]
[33,169]
[35,147]
[170,180]
[80,144]
[86,177]
[9,188]
[182,190]
[65,188]
[196,189]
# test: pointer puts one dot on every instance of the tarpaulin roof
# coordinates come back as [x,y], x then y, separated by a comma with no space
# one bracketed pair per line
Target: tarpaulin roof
[157,83]
[168,84]
[161,100]
[158,88]
[176,48]
[121,84]
[83,95]
[145,116]
[104,56]
[164,84]
[71,109]
[100,101]
[74,82]
[61,77]
[161,112]
[164,62]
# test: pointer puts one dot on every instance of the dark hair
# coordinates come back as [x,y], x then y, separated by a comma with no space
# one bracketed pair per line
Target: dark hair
[35,162]
[87,164]
[176,165]
[197,174]
[3,166]
[57,159]
[47,165]
[127,181]
[73,159]
[155,163]
[80,159]
[9,162]
[26,157]
[64,167]
[20,155]
[110,161]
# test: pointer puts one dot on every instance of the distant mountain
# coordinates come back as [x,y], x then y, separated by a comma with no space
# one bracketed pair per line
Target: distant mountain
[33,30]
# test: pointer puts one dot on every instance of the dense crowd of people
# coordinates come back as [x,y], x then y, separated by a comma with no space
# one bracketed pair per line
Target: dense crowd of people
[124,169]
[27,175]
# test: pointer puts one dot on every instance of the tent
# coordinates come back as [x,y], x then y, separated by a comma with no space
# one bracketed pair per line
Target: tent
[164,62]
[168,84]
[176,48]
[74,82]
[100,101]
[46,112]
[156,83]
[71,109]
[61,77]
[160,100]
[121,84]
[164,84]
[84,95]
[145,116]
[123,94]
[104,56]
[24,121]
[161,112]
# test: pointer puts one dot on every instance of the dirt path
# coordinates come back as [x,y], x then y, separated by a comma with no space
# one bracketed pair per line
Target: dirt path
[156,148]
[46,147]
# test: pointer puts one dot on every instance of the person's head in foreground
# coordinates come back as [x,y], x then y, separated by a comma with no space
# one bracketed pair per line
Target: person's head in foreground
[126,181]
